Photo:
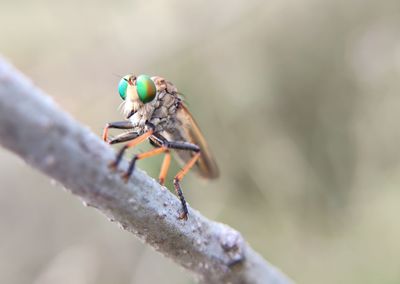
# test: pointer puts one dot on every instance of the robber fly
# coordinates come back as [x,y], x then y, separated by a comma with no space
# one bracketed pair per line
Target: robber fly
[155,111]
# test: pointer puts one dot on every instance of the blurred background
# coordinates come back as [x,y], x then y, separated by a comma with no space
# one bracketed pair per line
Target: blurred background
[299,101]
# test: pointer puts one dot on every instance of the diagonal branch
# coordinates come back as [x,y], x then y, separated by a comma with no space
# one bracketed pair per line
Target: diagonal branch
[37,130]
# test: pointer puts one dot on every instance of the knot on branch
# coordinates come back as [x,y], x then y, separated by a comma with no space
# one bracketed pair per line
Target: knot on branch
[232,244]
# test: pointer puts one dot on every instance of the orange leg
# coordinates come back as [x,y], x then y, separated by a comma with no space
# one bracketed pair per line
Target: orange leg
[177,186]
[105,133]
[131,144]
[139,139]
[148,154]
[164,168]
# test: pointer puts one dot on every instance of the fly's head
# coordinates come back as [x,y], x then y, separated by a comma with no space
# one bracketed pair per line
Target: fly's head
[149,99]
[138,93]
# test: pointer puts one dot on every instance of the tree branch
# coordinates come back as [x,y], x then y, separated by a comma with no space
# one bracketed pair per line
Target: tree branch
[37,130]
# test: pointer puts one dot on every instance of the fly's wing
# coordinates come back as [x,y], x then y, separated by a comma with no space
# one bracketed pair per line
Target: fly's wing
[190,132]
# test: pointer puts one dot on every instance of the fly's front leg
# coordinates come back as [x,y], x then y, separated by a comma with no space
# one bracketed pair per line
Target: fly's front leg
[138,139]
[126,124]
[131,144]
[124,137]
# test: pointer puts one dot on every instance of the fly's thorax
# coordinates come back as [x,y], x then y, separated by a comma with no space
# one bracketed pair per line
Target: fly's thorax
[160,112]
[164,114]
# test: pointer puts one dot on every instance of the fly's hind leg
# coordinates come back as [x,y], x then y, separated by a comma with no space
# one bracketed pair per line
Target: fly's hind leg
[177,185]
[160,140]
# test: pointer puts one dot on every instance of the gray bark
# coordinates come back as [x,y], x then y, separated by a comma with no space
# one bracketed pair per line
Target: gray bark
[36,129]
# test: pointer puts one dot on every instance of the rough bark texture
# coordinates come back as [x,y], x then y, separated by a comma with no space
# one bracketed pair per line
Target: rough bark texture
[37,130]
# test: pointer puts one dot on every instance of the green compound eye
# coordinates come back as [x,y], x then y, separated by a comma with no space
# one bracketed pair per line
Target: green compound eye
[122,87]
[146,88]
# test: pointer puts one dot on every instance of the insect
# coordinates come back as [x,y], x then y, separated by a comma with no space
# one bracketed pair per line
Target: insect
[156,112]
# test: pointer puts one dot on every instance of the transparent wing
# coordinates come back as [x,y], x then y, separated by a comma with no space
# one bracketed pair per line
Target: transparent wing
[190,132]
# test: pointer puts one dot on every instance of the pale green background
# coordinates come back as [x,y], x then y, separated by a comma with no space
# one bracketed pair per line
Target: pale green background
[299,100]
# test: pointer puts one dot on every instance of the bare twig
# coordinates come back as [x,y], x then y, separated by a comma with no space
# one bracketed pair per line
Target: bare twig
[36,129]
